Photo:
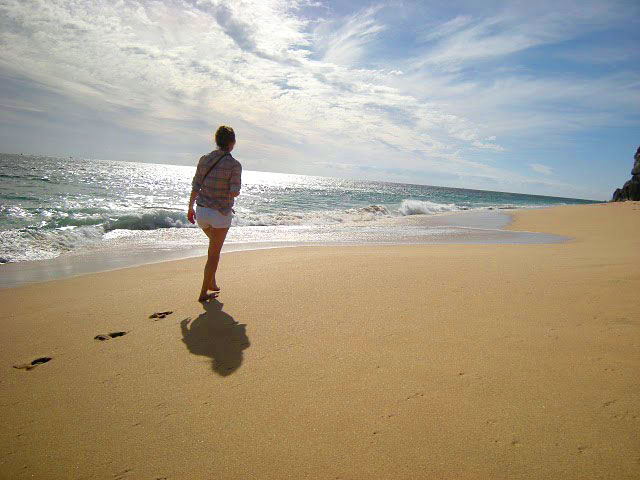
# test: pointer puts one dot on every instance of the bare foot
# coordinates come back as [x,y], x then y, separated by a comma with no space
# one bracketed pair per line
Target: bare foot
[205,298]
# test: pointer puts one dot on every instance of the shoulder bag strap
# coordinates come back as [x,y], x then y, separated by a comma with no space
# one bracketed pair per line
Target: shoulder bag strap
[213,166]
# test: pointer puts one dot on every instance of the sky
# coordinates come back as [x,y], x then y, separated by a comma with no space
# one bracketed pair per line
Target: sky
[531,97]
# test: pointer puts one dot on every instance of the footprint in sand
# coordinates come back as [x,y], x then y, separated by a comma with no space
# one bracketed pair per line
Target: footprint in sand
[159,315]
[33,364]
[415,395]
[109,336]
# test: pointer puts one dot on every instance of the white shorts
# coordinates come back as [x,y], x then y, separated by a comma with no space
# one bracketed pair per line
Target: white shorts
[210,218]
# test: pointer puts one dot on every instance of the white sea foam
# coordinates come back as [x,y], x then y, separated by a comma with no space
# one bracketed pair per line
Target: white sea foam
[422,207]
[330,217]
[14,211]
[38,244]
[151,220]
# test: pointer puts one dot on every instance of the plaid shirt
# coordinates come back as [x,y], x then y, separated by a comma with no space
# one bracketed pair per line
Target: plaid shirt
[223,179]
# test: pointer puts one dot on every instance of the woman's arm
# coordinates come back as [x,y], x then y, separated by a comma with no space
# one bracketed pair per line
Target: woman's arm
[196,184]
[191,214]
[235,181]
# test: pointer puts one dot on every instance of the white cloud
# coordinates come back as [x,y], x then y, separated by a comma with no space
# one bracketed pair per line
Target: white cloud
[539,168]
[344,41]
[488,146]
[447,29]
[306,88]
[14,105]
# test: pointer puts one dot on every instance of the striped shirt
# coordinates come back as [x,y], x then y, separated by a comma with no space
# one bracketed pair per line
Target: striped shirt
[223,179]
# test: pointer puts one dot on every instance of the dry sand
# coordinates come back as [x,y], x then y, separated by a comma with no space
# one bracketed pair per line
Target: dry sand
[447,361]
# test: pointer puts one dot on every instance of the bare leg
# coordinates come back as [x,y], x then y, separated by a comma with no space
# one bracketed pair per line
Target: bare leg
[216,240]
[220,234]
[210,232]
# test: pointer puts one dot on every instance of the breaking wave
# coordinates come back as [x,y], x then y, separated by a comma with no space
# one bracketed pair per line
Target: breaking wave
[330,217]
[421,207]
[149,221]
[38,244]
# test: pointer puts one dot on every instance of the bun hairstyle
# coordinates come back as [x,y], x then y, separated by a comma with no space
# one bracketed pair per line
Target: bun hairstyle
[224,136]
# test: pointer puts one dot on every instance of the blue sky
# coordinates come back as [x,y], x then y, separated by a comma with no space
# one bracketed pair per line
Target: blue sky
[533,97]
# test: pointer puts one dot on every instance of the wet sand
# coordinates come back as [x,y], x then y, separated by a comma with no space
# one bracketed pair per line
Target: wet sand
[424,361]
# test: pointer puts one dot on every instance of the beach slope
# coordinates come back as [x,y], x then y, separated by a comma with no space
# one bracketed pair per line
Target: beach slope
[404,362]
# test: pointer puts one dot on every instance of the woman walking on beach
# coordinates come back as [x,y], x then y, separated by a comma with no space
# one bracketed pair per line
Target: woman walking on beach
[215,185]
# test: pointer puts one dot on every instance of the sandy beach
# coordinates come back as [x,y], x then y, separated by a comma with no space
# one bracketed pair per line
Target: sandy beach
[379,362]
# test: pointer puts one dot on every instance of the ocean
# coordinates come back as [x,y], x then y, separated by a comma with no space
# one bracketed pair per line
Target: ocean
[126,213]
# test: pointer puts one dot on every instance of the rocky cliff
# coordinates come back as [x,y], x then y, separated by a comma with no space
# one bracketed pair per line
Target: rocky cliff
[631,189]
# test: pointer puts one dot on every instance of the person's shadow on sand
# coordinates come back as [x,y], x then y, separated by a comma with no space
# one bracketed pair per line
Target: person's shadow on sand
[215,334]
